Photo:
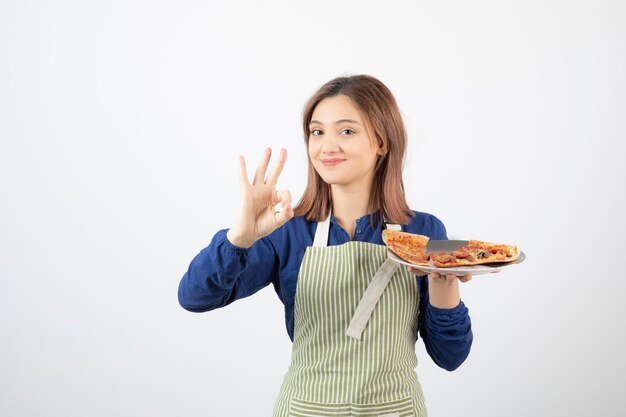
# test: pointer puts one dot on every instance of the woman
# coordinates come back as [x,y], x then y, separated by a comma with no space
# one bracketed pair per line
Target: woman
[352,314]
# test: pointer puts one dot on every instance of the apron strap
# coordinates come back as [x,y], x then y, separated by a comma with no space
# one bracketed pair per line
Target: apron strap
[321,233]
[370,298]
[373,292]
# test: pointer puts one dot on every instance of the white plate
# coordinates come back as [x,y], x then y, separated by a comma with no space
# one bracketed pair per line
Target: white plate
[461,270]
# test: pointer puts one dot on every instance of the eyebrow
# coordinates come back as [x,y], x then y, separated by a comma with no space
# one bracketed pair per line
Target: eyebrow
[337,122]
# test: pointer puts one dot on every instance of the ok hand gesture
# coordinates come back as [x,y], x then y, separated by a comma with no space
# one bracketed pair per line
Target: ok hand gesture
[257,217]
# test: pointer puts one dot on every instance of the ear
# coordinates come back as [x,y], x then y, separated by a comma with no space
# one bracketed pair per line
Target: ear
[382,147]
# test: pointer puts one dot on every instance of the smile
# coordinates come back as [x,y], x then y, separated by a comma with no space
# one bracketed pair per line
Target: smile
[329,162]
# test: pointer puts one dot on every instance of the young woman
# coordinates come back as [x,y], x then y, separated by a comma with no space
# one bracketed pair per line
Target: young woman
[352,314]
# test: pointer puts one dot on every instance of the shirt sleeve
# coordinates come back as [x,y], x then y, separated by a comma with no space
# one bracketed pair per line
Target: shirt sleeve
[222,273]
[447,333]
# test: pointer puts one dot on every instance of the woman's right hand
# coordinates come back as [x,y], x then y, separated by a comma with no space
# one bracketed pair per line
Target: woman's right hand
[257,217]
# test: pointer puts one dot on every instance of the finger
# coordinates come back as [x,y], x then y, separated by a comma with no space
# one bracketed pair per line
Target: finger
[450,279]
[284,215]
[272,179]
[283,196]
[434,276]
[465,278]
[259,175]
[243,172]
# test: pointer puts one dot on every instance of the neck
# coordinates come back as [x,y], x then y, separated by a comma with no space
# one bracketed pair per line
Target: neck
[349,205]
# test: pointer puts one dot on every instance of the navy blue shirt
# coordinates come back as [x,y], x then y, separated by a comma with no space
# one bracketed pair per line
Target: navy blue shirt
[222,273]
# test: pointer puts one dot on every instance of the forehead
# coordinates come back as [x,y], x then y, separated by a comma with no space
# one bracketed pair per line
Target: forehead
[335,108]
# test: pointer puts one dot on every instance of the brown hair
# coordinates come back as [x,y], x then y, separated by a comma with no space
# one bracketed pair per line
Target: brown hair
[384,121]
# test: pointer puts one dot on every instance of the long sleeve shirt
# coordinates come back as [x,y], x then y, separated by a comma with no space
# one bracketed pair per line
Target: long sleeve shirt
[222,273]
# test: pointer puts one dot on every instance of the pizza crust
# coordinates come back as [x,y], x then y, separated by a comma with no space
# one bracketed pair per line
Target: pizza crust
[512,252]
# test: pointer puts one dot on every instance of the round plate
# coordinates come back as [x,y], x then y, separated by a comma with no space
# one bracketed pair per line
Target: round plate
[461,270]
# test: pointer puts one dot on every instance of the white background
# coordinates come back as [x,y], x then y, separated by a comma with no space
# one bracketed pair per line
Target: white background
[120,127]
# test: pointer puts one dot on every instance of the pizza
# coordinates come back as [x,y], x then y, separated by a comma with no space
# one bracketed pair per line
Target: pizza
[412,248]
[408,246]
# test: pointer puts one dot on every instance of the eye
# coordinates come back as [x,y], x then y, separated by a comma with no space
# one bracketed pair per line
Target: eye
[316,132]
[347,132]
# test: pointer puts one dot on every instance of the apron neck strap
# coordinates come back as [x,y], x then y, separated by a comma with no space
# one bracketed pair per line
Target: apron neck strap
[392,226]
[321,233]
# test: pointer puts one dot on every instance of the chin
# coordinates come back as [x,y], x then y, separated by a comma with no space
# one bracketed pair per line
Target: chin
[331,180]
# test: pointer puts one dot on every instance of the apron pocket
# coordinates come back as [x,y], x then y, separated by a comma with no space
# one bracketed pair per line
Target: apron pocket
[398,408]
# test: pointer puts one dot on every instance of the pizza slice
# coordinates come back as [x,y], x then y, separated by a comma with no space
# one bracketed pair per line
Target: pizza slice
[412,248]
[476,253]
[408,246]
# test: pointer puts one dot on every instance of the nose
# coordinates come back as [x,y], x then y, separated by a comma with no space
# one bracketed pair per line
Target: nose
[330,144]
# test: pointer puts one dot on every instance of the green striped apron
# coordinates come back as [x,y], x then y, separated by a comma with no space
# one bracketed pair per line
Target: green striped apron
[355,328]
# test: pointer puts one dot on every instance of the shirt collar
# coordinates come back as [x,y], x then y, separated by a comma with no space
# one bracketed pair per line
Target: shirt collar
[361,220]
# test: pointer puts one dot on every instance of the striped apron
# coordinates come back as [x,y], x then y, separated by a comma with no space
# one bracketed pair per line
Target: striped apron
[354,335]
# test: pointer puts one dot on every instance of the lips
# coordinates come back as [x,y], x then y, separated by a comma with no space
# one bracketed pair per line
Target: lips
[329,162]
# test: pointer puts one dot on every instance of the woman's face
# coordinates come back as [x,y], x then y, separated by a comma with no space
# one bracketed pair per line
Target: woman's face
[340,146]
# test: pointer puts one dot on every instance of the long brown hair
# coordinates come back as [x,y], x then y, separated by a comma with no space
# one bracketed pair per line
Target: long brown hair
[384,121]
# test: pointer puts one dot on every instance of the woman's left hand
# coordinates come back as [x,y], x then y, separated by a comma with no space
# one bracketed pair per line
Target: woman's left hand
[443,290]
